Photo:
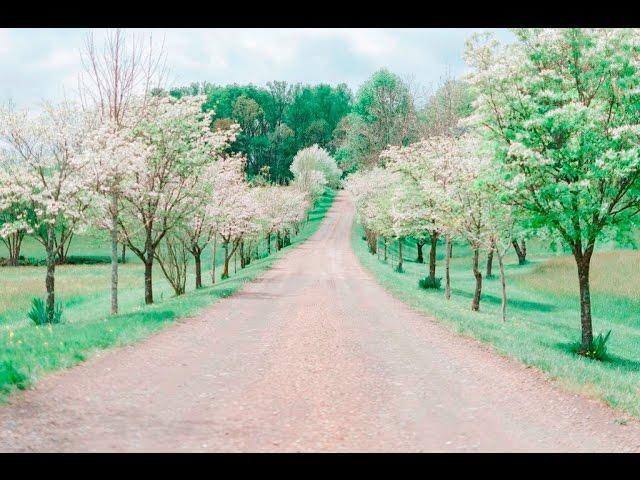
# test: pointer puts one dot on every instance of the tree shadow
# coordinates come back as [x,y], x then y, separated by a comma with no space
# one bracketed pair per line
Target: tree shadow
[149,316]
[610,361]
[511,302]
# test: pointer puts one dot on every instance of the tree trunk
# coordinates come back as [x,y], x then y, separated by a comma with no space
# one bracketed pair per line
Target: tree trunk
[420,258]
[213,263]
[278,241]
[63,248]
[148,279]
[114,255]
[475,304]
[385,248]
[227,257]
[124,253]
[399,254]
[447,268]
[242,257]
[50,281]
[268,244]
[503,281]
[197,254]
[583,264]
[489,263]
[372,241]
[14,243]
[432,256]
[521,251]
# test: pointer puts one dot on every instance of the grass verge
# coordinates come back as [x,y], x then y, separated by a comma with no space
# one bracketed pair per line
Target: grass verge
[543,323]
[27,351]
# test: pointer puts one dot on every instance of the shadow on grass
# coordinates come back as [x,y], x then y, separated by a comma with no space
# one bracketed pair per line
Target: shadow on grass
[149,316]
[512,302]
[611,362]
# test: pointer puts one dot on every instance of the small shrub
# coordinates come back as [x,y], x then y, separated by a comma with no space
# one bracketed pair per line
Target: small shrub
[598,350]
[10,375]
[89,260]
[398,269]
[430,283]
[31,261]
[38,312]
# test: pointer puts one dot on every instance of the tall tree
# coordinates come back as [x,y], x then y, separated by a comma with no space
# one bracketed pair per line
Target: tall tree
[50,175]
[125,66]
[178,144]
[560,110]
[383,114]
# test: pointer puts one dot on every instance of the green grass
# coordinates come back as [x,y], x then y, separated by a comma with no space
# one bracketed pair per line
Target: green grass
[27,351]
[543,313]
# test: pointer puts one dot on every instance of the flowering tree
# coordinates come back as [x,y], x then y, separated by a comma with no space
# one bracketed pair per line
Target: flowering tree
[178,144]
[365,187]
[279,209]
[380,207]
[231,209]
[199,233]
[416,163]
[48,174]
[114,80]
[560,110]
[16,218]
[313,169]
[409,212]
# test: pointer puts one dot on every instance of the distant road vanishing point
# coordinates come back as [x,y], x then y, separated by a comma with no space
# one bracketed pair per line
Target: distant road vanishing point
[312,356]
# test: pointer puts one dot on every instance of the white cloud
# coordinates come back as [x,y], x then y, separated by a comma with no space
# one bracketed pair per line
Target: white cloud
[39,63]
[59,58]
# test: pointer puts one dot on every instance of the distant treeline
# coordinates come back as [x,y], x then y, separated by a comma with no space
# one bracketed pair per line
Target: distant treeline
[277,120]
[280,119]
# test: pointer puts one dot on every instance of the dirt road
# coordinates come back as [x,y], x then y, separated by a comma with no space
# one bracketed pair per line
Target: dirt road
[312,356]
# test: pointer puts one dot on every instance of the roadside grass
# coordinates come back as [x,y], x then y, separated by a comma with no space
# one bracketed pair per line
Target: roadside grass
[543,320]
[27,351]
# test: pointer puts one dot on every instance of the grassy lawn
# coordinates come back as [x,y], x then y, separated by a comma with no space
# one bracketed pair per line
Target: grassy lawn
[543,313]
[26,351]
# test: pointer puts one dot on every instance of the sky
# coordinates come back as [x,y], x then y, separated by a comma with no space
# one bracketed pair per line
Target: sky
[43,64]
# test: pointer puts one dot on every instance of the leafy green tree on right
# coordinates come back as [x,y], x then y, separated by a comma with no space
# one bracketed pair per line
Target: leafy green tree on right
[561,109]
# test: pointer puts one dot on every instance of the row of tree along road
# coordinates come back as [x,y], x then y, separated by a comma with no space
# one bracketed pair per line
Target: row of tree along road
[550,147]
[153,170]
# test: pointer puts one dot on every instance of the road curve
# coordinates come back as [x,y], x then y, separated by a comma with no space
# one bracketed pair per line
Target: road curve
[311,356]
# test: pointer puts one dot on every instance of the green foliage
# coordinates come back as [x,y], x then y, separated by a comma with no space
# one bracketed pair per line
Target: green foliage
[38,313]
[450,102]
[26,353]
[427,283]
[11,376]
[277,120]
[383,114]
[598,350]
[559,109]
[70,260]
[541,328]
[88,260]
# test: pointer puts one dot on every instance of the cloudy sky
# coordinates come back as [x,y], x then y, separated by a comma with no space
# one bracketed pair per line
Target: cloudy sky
[38,64]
